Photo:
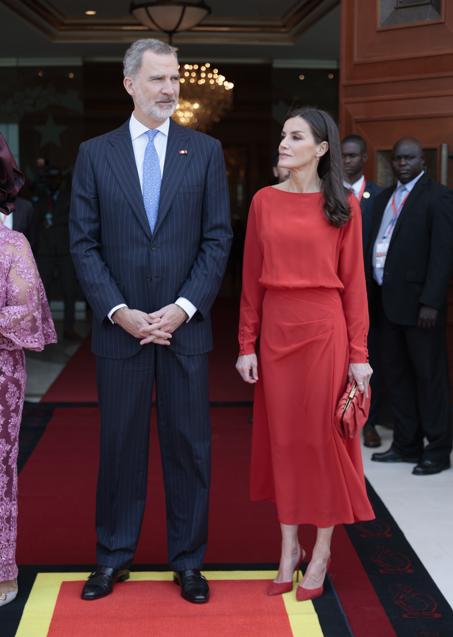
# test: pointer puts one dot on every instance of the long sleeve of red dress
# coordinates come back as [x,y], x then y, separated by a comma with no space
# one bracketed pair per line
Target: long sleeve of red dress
[252,290]
[354,296]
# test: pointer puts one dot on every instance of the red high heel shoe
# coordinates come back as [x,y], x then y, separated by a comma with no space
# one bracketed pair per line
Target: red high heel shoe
[278,588]
[305,594]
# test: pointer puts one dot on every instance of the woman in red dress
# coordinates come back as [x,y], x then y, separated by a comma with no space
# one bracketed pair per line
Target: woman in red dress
[304,300]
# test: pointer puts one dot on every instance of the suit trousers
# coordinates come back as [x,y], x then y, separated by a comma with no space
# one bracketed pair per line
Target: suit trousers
[125,397]
[415,366]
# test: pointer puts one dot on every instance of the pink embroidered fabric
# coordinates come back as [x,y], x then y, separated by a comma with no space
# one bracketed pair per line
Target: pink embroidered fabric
[25,322]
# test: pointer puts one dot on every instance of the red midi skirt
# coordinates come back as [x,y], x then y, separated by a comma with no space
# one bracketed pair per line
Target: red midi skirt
[298,458]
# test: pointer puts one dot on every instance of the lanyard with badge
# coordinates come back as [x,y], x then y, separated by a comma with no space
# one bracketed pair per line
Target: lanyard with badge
[382,246]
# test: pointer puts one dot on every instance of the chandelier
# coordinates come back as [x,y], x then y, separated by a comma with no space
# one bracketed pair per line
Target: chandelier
[170,16]
[206,96]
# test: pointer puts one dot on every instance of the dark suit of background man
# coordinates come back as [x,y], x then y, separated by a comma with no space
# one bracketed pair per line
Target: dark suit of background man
[23,220]
[150,252]
[409,261]
[51,198]
[354,152]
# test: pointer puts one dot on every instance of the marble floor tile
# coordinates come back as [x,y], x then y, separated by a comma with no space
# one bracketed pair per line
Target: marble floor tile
[422,507]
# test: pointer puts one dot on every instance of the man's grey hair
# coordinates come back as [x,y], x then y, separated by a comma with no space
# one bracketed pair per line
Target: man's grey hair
[133,57]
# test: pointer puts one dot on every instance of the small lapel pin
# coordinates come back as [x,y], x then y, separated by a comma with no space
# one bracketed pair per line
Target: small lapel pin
[183,151]
[366,195]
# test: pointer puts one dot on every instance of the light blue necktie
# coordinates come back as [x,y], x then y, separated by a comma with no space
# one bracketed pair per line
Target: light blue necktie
[151,180]
[399,195]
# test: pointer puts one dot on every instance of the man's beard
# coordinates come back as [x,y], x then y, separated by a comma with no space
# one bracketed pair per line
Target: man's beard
[155,111]
[161,113]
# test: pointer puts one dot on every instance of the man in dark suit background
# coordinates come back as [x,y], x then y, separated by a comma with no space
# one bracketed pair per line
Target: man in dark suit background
[354,153]
[150,237]
[23,220]
[51,198]
[408,266]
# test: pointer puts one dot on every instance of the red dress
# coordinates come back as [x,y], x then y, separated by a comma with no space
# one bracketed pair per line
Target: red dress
[304,298]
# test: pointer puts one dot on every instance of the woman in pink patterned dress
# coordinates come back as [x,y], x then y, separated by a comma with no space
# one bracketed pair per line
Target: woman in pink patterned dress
[25,323]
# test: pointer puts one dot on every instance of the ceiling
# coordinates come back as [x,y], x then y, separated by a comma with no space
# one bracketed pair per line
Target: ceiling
[284,31]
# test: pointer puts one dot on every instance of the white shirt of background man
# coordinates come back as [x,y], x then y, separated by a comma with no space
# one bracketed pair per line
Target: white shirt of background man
[356,187]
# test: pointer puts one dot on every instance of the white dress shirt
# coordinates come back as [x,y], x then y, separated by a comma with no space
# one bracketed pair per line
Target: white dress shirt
[7,220]
[356,186]
[139,142]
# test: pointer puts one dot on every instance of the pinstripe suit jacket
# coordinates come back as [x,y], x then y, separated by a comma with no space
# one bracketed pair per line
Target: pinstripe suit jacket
[118,259]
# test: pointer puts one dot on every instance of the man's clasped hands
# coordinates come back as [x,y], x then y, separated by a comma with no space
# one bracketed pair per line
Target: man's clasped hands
[156,327]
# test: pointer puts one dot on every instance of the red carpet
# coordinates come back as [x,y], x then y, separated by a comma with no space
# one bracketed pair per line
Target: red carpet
[57,500]
[58,484]
[77,382]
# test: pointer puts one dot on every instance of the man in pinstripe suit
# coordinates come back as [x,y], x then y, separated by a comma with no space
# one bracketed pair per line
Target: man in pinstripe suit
[150,236]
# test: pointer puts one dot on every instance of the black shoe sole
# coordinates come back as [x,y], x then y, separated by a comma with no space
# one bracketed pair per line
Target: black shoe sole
[195,601]
[396,460]
[429,472]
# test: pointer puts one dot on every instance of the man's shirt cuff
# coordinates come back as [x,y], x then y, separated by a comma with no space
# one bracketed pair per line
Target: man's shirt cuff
[113,310]
[188,307]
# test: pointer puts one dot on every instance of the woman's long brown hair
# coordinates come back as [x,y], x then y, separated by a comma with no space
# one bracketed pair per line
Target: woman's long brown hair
[330,168]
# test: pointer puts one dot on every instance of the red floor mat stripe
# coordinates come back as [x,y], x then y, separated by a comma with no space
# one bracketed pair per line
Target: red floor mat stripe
[233,606]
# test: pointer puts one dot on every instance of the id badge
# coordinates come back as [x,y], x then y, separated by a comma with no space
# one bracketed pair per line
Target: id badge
[382,247]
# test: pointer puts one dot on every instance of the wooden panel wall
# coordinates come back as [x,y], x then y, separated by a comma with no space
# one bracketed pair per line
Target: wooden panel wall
[396,81]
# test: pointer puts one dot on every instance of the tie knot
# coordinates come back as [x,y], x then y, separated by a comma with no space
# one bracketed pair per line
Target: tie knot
[151,134]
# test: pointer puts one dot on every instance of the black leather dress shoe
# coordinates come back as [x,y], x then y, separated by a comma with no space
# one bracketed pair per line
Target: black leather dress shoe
[194,587]
[371,438]
[392,456]
[100,583]
[430,467]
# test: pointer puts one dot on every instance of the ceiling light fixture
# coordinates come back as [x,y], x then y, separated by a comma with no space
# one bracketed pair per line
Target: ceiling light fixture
[206,95]
[170,16]
[90,12]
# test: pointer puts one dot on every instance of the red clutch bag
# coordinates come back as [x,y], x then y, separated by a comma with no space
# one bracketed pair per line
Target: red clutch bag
[352,411]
